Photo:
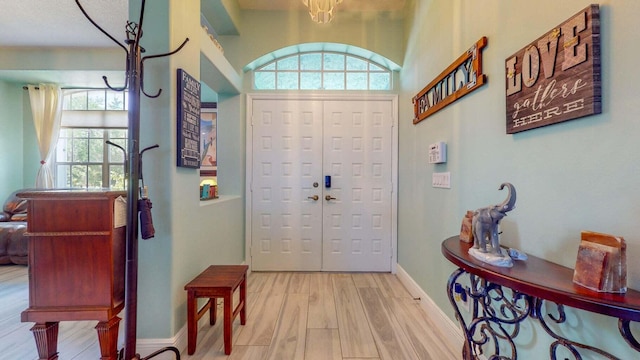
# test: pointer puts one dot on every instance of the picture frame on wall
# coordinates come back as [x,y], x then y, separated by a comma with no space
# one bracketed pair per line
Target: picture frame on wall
[556,77]
[188,102]
[208,139]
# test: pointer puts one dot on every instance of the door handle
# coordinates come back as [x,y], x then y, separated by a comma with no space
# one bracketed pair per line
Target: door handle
[329,197]
[314,197]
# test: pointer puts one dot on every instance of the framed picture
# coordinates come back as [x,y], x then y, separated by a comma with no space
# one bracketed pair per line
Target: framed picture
[208,139]
[187,121]
[557,77]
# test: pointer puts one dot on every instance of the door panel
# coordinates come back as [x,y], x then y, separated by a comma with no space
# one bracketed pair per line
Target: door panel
[295,143]
[287,148]
[357,155]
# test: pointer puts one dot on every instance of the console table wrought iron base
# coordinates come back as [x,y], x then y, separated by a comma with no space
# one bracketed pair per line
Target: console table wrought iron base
[534,288]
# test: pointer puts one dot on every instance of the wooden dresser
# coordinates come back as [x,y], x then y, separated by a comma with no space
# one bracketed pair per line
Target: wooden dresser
[76,264]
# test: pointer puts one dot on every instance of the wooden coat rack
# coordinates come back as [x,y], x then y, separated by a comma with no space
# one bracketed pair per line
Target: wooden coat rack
[134,84]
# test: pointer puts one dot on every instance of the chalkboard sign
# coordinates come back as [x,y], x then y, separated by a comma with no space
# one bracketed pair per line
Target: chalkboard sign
[188,120]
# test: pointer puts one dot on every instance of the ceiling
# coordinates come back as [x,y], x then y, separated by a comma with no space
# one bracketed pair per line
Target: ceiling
[60,23]
[347,5]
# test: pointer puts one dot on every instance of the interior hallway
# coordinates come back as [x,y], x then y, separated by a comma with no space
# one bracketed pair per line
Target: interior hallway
[324,316]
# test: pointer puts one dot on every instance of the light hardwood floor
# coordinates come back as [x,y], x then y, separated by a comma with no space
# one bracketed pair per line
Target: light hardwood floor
[312,316]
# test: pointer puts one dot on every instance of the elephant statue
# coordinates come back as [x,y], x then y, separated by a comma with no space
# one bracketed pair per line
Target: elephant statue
[486,220]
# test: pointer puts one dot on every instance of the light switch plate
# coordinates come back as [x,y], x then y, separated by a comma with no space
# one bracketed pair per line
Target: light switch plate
[441,180]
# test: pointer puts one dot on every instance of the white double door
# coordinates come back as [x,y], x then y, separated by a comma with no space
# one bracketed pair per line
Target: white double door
[299,222]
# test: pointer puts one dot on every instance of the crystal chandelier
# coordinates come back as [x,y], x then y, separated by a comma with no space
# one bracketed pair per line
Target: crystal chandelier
[321,11]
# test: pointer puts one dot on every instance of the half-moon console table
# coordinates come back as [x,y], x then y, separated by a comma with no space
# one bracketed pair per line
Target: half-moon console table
[535,286]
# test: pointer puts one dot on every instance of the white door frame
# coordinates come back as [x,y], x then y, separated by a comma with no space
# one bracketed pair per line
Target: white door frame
[335,97]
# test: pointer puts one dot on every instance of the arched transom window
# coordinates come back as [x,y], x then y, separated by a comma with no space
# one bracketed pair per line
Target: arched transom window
[322,70]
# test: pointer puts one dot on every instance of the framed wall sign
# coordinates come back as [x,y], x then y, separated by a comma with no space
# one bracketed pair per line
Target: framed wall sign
[208,139]
[462,77]
[188,120]
[556,77]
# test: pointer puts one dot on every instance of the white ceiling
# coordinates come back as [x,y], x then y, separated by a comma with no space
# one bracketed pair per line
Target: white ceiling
[60,23]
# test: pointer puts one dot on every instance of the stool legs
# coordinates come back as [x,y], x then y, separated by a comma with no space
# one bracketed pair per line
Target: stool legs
[192,322]
[213,311]
[228,322]
[243,300]
[213,283]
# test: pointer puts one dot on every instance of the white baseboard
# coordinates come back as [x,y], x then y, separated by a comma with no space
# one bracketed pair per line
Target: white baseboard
[450,331]
[145,347]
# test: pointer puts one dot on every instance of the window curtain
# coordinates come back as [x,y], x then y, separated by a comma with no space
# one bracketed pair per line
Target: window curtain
[46,109]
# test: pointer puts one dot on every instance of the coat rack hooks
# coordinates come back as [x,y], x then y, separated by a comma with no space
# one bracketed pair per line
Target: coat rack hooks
[134,85]
[106,82]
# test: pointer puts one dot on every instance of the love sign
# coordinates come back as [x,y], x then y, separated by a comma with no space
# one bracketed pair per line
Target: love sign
[557,77]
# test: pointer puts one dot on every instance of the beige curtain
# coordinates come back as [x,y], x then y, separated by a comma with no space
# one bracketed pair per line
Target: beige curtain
[46,109]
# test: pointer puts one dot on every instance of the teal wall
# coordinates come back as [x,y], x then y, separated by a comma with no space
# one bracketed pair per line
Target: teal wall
[11,152]
[264,32]
[190,234]
[578,175]
[19,157]
[156,256]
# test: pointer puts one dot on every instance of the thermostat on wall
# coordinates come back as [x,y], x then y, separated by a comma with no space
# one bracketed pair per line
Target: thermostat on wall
[438,153]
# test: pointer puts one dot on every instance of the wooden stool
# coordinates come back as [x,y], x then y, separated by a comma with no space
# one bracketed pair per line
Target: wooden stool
[217,281]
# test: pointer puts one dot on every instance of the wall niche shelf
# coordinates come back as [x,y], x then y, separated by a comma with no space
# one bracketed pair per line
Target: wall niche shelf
[536,289]
[215,70]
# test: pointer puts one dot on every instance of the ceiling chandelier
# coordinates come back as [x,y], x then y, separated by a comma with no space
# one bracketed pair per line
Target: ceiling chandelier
[321,11]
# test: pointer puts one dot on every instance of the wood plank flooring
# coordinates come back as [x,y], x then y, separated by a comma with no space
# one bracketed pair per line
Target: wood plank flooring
[307,316]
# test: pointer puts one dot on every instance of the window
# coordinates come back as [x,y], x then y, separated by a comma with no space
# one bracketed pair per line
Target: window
[83,158]
[101,100]
[322,71]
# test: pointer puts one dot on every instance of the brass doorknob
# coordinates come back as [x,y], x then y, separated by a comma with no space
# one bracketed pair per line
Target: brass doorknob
[329,197]
[314,197]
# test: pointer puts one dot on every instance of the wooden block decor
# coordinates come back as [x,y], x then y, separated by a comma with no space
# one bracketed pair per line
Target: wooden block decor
[466,231]
[601,264]
[590,265]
